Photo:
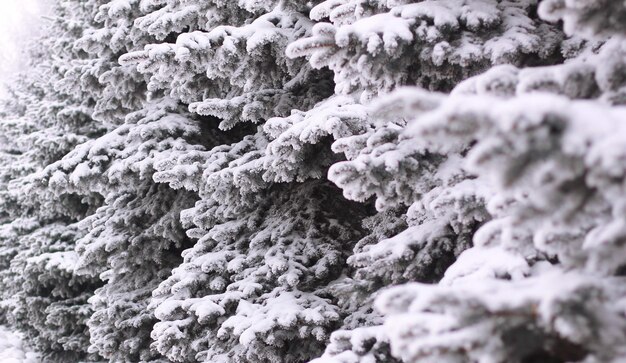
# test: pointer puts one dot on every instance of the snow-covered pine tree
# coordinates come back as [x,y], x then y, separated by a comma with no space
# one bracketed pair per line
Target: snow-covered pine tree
[269,237]
[12,226]
[542,282]
[480,200]
[135,237]
[41,293]
[133,234]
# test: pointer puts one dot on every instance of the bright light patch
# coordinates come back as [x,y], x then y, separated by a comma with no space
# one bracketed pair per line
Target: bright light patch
[18,22]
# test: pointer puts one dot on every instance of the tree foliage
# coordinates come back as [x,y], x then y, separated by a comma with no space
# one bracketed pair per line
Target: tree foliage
[339,181]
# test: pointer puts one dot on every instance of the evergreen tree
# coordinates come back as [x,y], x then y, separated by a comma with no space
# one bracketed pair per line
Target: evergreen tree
[41,293]
[274,259]
[338,181]
[134,238]
[532,288]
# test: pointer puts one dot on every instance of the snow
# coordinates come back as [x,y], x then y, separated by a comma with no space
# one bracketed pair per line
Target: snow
[482,225]
[60,260]
[13,349]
